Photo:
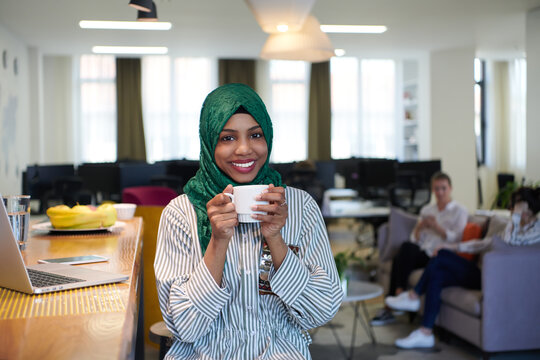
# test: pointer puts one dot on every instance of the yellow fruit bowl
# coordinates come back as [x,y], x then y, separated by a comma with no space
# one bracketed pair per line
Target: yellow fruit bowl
[82,216]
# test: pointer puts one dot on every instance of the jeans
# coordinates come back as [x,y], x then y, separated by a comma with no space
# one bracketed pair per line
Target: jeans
[409,258]
[445,269]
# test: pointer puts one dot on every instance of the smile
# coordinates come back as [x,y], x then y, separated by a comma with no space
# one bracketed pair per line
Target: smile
[244,165]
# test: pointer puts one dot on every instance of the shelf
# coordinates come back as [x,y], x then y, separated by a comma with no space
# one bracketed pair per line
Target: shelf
[410,103]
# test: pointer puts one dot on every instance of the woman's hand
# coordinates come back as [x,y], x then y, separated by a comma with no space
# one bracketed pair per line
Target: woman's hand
[223,219]
[222,215]
[276,212]
[271,223]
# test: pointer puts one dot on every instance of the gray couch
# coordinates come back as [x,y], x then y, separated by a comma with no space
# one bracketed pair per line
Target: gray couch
[505,314]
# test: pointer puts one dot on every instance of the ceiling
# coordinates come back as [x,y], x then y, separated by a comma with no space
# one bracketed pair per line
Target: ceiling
[227,28]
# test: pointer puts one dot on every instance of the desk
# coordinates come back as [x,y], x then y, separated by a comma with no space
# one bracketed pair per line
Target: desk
[374,216]
[98,322]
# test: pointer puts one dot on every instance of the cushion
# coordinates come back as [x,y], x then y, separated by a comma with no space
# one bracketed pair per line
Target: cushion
[400,225]
[472,231]
[482,220]
[468,301]
[496,225]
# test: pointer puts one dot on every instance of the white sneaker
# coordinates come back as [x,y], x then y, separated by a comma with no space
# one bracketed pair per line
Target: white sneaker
[416,339]
[403,302]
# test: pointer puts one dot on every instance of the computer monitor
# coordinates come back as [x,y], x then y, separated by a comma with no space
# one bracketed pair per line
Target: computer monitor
[284,169]
[102,179]
[375,172]
[325,173]
[39,181]
[375,176]
[139,173]
[348,168]
[184,169]
[424,170]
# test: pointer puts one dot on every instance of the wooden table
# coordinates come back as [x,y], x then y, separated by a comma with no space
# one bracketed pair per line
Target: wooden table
[98,322]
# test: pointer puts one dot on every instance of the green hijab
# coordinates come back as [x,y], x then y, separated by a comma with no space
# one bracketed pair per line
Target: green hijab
[209,180]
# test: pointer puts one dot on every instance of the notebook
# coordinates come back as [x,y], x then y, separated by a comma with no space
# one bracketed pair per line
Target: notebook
[16,276]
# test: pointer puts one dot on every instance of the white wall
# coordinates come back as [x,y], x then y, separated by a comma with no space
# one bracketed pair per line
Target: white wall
[15,141]
[57,105]
[533,95]
[452,120]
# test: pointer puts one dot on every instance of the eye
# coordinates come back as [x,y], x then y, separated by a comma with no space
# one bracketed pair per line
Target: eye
[227,138]
[257,135]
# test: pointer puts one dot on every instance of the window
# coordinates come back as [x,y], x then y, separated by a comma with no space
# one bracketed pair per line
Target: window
[518,120]
[479,110]
[364,114]
[288,109]
[173,93]
[97,128]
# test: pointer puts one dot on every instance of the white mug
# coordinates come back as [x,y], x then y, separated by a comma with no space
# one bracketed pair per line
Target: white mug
[243,198]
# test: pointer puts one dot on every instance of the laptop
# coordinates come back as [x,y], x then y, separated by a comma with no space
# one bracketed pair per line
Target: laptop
[42,278]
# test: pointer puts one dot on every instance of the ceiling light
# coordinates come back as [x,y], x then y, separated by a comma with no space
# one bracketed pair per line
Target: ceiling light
[148,16]
[308,44]
[156,50]
[354,29]
[141,5]
[339,52]
[282,28]
[125,25]
[271,14]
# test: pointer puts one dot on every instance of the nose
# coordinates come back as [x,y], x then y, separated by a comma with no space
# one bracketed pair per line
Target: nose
[243,147]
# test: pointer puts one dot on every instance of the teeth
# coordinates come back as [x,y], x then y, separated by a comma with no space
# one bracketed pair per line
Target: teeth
[244,165]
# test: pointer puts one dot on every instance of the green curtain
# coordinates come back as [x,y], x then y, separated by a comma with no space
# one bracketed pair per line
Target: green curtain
[320,112]
[130,143]
[237,71]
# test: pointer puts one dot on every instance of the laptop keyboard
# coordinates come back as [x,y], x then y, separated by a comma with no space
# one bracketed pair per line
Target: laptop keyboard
[44,279]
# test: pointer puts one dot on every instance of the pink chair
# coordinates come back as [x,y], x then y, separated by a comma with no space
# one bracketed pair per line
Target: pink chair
[148,195]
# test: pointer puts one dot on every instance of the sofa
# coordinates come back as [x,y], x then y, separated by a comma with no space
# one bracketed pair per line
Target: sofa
[505,314]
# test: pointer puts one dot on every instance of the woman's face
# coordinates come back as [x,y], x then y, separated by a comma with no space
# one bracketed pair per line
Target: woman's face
[241,150]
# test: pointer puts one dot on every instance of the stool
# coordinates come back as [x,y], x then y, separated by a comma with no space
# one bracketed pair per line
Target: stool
[159,334]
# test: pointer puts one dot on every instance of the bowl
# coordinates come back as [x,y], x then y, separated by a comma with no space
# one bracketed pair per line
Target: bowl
[125,211]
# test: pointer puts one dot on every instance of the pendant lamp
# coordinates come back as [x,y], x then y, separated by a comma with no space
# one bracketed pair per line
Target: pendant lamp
[141,5]
[308,44]
[278,15]
[148,16]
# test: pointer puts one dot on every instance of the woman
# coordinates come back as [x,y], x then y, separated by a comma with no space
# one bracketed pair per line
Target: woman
[449,269]
[230,290]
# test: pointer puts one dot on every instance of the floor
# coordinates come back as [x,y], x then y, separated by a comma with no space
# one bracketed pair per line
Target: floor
[325,346]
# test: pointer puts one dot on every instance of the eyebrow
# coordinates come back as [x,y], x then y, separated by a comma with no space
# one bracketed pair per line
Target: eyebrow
[250,129]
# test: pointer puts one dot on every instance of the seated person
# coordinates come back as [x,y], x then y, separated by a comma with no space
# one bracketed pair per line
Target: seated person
[438,224]
[450,269]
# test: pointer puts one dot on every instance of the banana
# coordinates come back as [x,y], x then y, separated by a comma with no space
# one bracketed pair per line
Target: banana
[81,216]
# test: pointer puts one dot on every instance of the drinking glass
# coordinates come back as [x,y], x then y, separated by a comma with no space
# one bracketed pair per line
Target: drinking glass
[18,210]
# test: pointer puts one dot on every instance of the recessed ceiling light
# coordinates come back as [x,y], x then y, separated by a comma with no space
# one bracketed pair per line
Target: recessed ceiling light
[125,25]
[354,29]
[339,52]
[155,50]
[282,27]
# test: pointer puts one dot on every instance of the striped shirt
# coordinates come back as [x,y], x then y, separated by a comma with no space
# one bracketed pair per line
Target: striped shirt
[237,320]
